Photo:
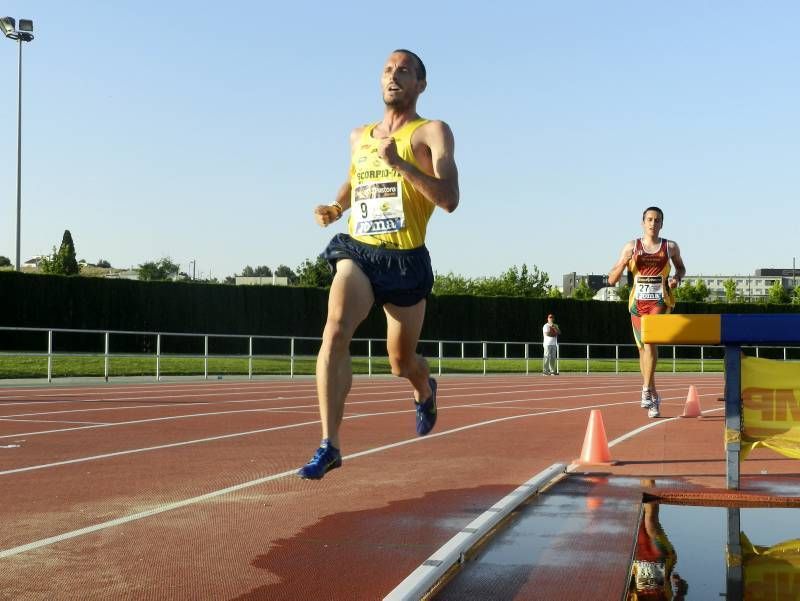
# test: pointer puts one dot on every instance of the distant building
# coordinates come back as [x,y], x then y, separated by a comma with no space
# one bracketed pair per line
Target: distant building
[33,263]
[127,274]
[752,288]
[594,281]
[608,293]
[272,280]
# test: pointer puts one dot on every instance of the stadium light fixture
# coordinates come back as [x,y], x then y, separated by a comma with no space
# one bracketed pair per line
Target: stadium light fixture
[23,34]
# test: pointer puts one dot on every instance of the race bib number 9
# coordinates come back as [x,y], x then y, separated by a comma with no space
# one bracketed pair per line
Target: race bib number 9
[649,288]
[377,207]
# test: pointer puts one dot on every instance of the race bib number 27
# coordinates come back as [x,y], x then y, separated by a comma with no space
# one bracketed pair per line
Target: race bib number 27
[377,207]
[649,288]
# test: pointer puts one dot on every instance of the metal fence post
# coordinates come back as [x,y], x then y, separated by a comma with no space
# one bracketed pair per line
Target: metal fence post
[756,352]
[733,413]
[702,361]
[250,359]
[105,357]
[587,358]
[369,357]
[527,359]
[441,352]
[673,358]
[784,353]
[49,355]
[462,350]
[291,357]
[505,350]
[484,358]
[616,358]
[158,357]
[205,357]
[558,358]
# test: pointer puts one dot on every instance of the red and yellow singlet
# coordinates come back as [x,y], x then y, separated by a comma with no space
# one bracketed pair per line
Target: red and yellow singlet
[651,292]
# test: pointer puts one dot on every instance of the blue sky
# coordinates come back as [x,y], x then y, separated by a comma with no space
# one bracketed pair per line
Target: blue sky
[209,132]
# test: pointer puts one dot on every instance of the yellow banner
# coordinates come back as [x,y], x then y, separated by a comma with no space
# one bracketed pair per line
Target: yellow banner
[770,406]
[771,573]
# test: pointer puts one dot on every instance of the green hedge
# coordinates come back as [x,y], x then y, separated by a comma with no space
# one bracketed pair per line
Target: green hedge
[45,301]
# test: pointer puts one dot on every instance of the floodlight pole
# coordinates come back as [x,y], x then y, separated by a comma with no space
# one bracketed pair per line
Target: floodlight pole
[19,151]
[23,34]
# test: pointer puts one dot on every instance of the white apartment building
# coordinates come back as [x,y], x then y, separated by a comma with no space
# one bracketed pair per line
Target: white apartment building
[751,288]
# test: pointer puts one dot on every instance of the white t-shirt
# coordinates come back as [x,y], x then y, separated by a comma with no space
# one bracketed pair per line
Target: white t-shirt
[548,340]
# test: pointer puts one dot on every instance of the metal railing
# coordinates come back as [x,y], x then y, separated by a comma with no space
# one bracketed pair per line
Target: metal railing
[452,356]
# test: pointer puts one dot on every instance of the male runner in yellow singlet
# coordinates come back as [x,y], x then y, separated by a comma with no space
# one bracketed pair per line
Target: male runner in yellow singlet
[402,168]
[648,259]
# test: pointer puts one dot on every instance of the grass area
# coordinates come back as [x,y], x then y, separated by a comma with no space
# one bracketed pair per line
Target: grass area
[81,366]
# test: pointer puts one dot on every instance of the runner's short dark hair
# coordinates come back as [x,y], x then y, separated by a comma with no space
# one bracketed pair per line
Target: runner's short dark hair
[660,212]
[421,73]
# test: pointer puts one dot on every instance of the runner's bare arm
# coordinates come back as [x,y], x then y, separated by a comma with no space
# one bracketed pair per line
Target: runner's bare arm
[327,214]
[619,267]
[677,261]
[441,188]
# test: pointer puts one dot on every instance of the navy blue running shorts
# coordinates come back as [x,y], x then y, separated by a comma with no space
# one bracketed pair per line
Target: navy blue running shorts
[399,277]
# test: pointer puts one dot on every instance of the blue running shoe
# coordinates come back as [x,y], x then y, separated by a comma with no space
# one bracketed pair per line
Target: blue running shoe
[327,458]
[426,412]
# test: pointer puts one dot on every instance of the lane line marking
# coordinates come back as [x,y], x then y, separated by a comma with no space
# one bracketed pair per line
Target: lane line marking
[290,407]
[49,421]
[244,485]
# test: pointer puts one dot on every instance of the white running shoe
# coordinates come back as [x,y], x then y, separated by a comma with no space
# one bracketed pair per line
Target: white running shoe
[652,411]
[647,398]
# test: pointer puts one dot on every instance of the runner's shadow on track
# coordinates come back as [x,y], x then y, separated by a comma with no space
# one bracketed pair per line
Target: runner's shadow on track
[354,555]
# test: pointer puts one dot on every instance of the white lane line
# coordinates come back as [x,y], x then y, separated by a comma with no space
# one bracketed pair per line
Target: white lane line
[357,391]
[277,409]
[422,579]
[224,491]
[284,427]
[49,421]
[653,424]
[153,448]
[237,487]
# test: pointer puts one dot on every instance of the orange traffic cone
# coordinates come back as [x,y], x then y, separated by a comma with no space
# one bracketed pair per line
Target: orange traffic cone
[595,444]
[692,407]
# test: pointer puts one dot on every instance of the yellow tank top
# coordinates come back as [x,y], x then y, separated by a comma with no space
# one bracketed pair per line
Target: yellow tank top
[385,209]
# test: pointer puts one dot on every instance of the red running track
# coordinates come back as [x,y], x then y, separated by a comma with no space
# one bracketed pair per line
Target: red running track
[186,490]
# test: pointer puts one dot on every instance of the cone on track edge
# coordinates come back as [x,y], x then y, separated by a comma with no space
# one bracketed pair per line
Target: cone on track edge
[692,407]
[595,444]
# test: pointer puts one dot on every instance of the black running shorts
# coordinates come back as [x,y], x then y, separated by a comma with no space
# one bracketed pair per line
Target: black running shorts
[399,277]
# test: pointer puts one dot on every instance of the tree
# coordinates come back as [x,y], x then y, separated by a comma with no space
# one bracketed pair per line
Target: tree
[229,279]
[262,271]
[777,294]
[4,261]
[512,282]
[103,263]
[526,283]
[696,293]
[315,275]
[730,290]
[163,269]
[555,293]
[583,292]
[623,292]
[796,296]
[62,261]
[451,283]
[285,272]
